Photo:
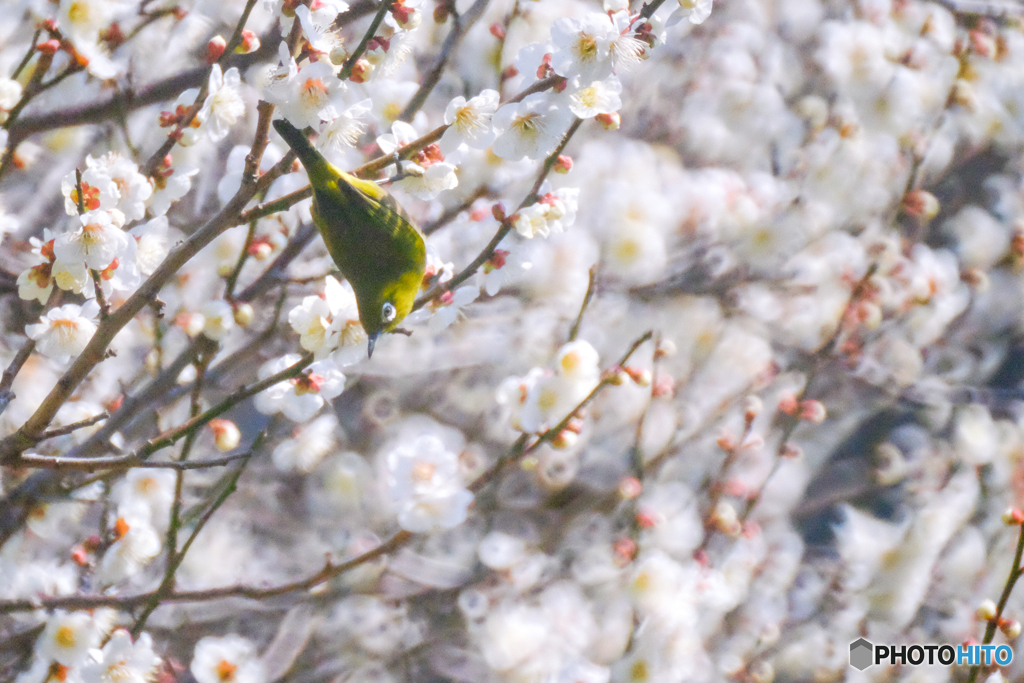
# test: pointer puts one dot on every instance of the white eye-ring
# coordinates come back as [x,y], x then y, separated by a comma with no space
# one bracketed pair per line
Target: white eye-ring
[388,312]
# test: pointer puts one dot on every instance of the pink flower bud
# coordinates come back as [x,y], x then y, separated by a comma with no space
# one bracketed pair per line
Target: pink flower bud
[921,204]
[360,71]
[563,164]
[498,31]
[813,411]
[609,121]
[249,44]
[225,434]
[215,48]
[629,488]
[48,47]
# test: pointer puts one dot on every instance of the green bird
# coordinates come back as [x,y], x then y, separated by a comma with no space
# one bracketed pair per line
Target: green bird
[371,238]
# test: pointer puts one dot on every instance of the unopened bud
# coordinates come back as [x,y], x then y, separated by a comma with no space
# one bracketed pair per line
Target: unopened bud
[498,31]
[963,94]
[788,403]
[250,43]
[609,121]
[361,71]
[215,48]
[1010,628]
[1013,517]
[629,488]
[986,610]
[921,204]
[441,13]
[646,519]
[726,441]
[623,550]
[812,411]
[244,314]
[565,439]
[666,349]
[225,434]
[563,164]
[725,519]
[338,55]
[639,375]
[48,47]
[791,451]
[664,385]
[498,211]
[977,278]
[762,672]
[752,407]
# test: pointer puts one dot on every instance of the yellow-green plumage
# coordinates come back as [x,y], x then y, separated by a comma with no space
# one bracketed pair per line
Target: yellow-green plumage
[371,238]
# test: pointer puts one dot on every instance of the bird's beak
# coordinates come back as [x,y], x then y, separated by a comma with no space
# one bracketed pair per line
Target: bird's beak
[372,343]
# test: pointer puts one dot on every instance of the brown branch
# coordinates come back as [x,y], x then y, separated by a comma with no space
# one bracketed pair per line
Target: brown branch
[506,226]
[350,63]
[330,570]
[462,23]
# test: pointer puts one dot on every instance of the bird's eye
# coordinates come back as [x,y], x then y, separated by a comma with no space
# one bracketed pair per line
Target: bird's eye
[388,313]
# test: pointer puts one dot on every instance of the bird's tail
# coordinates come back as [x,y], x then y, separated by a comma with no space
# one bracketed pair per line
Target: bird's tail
[316,165]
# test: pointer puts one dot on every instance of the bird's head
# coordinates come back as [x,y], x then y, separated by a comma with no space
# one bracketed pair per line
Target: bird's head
[384,312]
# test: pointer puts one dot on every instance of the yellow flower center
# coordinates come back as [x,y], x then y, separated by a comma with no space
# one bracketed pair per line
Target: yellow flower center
[79,12]
[586,48]
[527,124]
[226,670]
[314,92]
[423,471]
[65,637]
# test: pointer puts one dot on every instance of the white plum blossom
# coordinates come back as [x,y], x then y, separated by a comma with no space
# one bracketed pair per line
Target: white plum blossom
[10,93]
[469,122]
[345,130]
[582,47]
[171,188]
[427,182]
[122,661]
[299,398]
[424,485]
[228,659]
[137,544]
[531,128]
[317,25]
[307,96]
[502,268]
[599,97]
[68,636]
[552,214]
[97,242]
[152,244]
[219,319]
[695,11]
[223,105]
[541,399]
[310,444]
[450,306]
[99,191]
[64,332]
[132,188]
[401,134]
[330,323]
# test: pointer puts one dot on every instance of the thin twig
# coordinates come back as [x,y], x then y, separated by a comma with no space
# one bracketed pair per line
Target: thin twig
[330,570]
[1011,580]
[591,280]
[506,226]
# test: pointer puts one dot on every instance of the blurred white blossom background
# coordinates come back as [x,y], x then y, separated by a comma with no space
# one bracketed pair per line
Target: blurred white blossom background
[716,367]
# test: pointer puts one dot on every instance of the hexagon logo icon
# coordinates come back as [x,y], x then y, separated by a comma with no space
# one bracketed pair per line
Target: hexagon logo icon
[861,654]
